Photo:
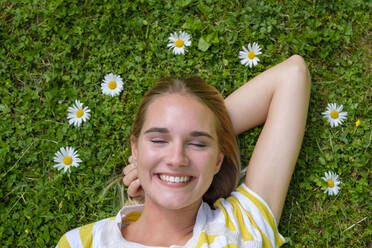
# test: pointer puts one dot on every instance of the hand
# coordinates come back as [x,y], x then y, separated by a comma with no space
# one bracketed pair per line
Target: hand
[131,179]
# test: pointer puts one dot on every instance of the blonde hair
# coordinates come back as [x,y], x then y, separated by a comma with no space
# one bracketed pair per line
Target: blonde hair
[225,181]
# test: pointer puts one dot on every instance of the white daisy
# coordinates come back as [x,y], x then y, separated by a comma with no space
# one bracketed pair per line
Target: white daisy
[249,56]
[65,158]
[179,41]
[77,114]
[332,180]
[334,115]
[112,85]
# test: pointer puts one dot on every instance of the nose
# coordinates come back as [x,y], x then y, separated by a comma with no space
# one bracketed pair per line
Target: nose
[177,155]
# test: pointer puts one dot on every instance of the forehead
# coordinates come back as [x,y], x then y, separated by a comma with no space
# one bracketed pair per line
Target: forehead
[179,112]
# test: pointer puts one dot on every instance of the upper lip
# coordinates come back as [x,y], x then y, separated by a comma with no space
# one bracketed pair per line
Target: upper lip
[174,174]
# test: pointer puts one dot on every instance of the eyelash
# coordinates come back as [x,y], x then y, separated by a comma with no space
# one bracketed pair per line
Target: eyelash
[158,141]
[198,145]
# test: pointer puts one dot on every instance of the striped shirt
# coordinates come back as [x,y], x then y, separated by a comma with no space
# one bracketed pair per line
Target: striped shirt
[241,220]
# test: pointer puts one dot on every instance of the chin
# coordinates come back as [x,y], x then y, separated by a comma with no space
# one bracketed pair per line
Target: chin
[172,202]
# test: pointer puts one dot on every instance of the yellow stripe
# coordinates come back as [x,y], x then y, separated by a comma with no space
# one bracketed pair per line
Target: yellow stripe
[86,235]
[265,213]
[229,223]
[263,209]
[265,240]
[63,243]
[231,246]
[246,235]
[205,239]
[132,217]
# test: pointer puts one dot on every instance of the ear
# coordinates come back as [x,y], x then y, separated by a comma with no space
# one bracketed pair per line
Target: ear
[133,144]
[219,162]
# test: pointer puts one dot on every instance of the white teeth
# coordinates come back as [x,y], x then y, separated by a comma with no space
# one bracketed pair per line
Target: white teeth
[173,179]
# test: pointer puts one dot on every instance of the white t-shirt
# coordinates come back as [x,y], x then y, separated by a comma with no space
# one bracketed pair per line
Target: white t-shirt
[242,220]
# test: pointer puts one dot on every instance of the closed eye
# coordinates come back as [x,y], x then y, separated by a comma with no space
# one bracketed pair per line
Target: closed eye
[197,144]
[156,141]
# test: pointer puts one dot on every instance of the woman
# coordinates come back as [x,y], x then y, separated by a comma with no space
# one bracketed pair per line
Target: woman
[185,155]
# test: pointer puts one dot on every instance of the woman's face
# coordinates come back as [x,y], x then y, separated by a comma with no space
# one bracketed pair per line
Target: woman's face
[177,151]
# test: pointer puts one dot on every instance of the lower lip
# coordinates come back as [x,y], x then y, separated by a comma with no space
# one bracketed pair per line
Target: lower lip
[173,184]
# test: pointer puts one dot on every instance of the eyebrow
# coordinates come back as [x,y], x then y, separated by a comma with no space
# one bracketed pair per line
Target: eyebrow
[157,130]
[199,133]
[165,131]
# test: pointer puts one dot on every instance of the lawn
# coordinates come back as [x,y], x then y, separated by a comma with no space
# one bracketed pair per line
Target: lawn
[55,52]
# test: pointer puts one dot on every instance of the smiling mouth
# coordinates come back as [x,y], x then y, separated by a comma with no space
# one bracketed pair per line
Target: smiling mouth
[175,179]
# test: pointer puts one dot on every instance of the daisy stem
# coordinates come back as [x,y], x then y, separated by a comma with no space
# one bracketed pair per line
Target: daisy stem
[69,178]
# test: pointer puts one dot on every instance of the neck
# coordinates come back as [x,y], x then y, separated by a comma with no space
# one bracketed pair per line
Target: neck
[159,226]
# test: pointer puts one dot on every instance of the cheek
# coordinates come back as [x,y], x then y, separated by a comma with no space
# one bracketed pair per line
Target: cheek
[146,158]
[147,152]
[208,160]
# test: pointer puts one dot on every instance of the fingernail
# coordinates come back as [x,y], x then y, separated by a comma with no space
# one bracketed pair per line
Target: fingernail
[138,181]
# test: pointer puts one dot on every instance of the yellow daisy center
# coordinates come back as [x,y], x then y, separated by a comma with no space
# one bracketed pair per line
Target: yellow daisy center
[179,43]
[79,113]
[331,183]
[67,160]
[334,114]
[251,55]
[112,85]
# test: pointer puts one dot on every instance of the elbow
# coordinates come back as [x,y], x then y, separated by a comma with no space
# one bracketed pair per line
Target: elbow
[298,66]
[299,71]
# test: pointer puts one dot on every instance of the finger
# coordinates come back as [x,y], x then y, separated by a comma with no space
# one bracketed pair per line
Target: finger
[135,189]
[130,177]
[127,169]
[131,159]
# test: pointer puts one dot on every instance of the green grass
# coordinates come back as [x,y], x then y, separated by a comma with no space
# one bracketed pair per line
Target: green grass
[53,52]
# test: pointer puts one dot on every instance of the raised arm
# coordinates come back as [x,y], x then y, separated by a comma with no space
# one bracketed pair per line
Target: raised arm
[278,97]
